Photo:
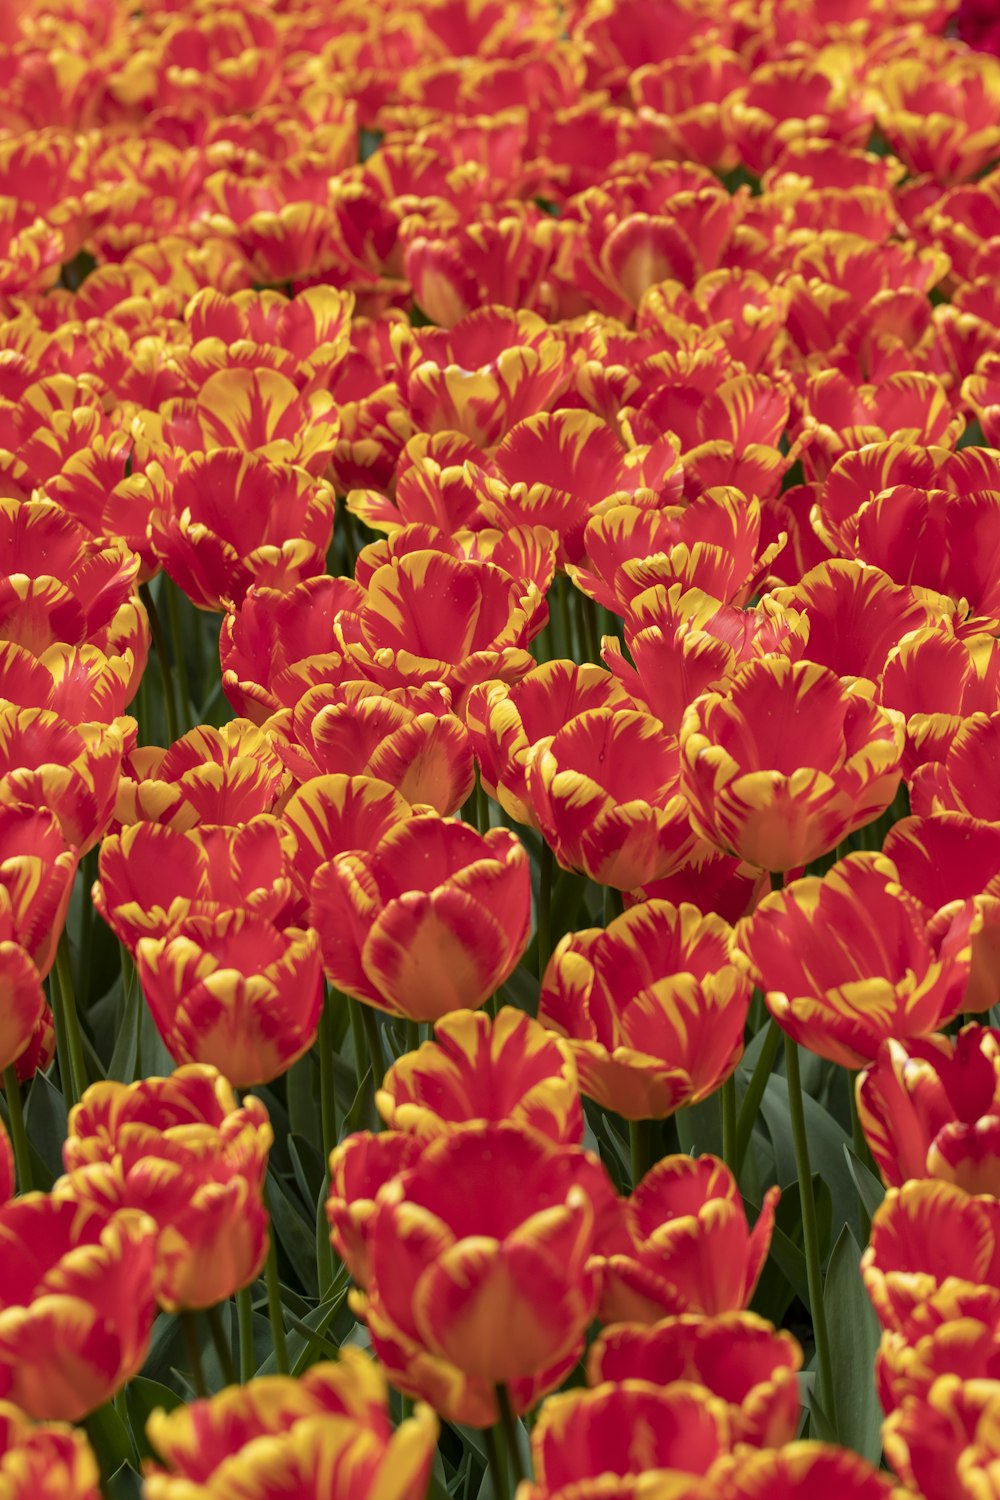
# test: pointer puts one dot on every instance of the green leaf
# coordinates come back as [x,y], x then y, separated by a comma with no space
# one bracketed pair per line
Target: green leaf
[362,1114]
[110,1439]
[142,1398]
[826,1139]
[295,1234]
[699,1127]
[854,1339]
[125,1059]
[124,1484]
[332,1318]
[45,1122]
[870,1190]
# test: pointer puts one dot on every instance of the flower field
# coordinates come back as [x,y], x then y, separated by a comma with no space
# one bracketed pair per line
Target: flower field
[500,750]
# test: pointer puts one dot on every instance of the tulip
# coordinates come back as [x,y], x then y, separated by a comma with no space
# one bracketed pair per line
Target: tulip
[226,775]
[625,1436]
[407,737]
[945,1443]
[181,1150]
[652,1008]
[433,918]
[45,1461]
[481,1271]
[606,795]
[856,617]
[802,1471]
[505,720]
[234,990]
[738,1357]
[482,375]
[337,814]
[686,1247]
[787,762]
[949,858]
[556,469]
[430,617]
[151,877]
[359,1166]
[963,780]
[930,1107]
[907,1369]
[479,1069]
[271,636]
[239,519]
[934,1256]
[938,679]
[71,771]
[325,1436]
[61,585]
[76,1303]
[714,545]
[848,960]
[22,1000]
[37,867]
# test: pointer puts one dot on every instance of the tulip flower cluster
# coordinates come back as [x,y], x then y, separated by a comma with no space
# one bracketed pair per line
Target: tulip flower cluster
[499,718]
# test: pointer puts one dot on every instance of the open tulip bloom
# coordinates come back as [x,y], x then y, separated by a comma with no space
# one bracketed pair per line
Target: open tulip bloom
[499,744]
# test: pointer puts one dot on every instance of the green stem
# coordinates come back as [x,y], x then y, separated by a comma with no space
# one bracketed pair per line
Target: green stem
[221,1340]
[508,1427]
[177,640]
[754,1094]
[412,1035]
[274,1309]
[614,904]
[375,1053]
[160,647]
[482,807]
[810,1230]
[727,1104]
[189,1328]
[585,610]
[546,869]
[562,607]
[358,1038]
[861,1151]
[497,1467]
[244,1318]
[641,1149]
[67,1020]
[327,1097]
[18,1134]
[88,873]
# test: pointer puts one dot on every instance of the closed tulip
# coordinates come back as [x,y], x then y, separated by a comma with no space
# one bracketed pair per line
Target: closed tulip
[848,960]
[652,1008]
[627,1438]
[930,1107]
[481,1267]
[45,1461]
[478,1069]
[738,1357]
[933,1256]
[785,763]
[686,1245]
[76,1302]
[182,1150]
[325,1436]
[432,918]
[606,795]
[234,991]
